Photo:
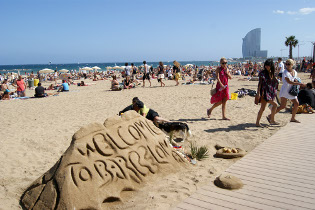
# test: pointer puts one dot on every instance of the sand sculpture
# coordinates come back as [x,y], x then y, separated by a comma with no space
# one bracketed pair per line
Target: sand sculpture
[227,181]
[229,153]
[103,165]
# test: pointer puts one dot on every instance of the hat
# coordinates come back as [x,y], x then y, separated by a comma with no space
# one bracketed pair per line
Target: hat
[139,104]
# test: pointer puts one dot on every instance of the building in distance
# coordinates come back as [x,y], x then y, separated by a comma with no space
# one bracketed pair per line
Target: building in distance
[251,45]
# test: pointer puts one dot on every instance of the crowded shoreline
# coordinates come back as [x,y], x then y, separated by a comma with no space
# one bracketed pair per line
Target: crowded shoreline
[36,132]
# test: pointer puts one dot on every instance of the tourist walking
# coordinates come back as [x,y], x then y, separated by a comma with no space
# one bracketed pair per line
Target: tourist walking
[280,67]
[222,88]
[267,92]
[146,73]
[176,71]
[161,72]
[289,79]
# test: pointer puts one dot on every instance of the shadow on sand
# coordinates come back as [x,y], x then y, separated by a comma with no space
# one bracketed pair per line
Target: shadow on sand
[238,127]
[193,120]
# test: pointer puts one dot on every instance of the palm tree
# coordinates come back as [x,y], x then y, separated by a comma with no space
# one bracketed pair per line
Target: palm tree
[291,41]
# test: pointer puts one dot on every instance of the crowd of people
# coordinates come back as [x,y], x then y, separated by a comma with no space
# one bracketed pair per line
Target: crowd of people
[269,78]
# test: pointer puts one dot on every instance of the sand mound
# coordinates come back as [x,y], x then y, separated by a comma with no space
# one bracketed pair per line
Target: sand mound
[104,165]
[227,181]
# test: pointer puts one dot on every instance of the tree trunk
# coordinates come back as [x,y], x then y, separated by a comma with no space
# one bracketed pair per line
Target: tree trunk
[290,51]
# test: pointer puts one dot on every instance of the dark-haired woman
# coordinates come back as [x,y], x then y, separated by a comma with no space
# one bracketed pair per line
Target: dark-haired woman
[267,91]
[161,72]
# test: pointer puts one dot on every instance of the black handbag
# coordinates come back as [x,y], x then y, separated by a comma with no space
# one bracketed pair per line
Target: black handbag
[294,91]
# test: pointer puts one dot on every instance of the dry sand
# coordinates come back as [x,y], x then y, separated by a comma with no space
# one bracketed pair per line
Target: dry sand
[36,132]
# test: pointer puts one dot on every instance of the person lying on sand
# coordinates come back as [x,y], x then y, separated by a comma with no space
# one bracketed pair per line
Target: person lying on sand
[139,107]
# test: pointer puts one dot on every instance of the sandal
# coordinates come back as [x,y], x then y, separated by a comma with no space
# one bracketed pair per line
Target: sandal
[226,119]
[296,121]
[274,123]
[260,126]
[208,113]
[268,119]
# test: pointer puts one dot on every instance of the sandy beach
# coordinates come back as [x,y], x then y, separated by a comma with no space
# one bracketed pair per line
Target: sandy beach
[36,132]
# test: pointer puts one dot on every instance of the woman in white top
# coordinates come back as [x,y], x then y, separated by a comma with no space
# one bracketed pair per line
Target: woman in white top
[288,79]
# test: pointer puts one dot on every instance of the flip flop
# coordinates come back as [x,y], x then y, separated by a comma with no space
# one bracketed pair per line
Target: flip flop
[268,119]
[295,121]
[275,123]
[260,126]
[226,119]
[208,110]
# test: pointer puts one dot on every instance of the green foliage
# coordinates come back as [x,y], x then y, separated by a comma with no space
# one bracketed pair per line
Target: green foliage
[291,42]
[199,153]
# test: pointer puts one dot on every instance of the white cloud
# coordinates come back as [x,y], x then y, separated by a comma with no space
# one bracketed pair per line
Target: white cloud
[297,19]
[291,13]
[278,12]
[306,11]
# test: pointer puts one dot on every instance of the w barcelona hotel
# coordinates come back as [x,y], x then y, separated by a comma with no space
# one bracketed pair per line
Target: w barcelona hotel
[251,45]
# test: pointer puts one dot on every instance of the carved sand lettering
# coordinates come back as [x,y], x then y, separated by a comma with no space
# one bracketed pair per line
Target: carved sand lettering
[104,163]
[152,149]
[134,132]
[102,146]
[129,173]
[143,128]
[85,174]
[87,150]
[165,147]
[114,170]
[177,157]
[100,168]
[130,140]
[117,141]
[141,164]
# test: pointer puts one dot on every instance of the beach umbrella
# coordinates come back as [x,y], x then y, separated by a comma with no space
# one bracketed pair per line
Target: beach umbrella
[96,68]
[189,64]
[87,69]
[116,67]
[46,71]
[64,70]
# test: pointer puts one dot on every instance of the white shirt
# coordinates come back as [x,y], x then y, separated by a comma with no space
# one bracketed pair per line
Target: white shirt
[127,70]
[286,87]
[146,68]
[281,67]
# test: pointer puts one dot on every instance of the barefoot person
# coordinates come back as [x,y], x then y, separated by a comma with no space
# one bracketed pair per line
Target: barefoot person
[288,79]
[21,86]
[146,73]
[222,88]
[176,71]
[161,72]
[267,91]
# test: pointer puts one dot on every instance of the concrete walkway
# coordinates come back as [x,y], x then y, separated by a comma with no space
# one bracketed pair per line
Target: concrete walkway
[277,174]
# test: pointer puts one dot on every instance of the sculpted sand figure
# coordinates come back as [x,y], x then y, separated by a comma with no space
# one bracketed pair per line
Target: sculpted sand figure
[103,165]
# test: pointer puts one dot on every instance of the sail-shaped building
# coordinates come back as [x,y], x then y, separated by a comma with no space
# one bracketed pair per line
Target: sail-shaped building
[251,45]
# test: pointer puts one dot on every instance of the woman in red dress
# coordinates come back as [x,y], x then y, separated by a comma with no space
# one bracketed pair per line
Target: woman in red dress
[222,88]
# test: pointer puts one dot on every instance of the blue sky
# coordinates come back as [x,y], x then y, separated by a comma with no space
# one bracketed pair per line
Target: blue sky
[71,31]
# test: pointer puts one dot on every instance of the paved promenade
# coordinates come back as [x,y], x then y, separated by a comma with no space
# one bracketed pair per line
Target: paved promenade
[277,174]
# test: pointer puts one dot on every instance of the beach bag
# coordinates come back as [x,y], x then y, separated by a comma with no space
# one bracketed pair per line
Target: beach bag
[294,91]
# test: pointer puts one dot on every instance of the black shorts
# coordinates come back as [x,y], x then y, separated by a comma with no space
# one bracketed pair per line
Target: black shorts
[146,76]
[280,75]
[152,114]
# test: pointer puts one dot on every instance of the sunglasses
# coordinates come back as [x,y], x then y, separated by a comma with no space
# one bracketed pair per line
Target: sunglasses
[288,64]
[224,63]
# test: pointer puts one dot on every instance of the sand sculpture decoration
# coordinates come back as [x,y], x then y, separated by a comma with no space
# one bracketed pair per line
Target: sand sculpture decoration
[103,165]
